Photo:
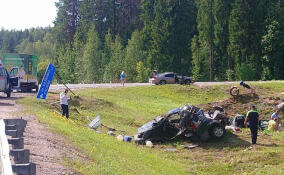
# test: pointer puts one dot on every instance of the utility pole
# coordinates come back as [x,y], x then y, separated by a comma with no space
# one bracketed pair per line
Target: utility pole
[211,43]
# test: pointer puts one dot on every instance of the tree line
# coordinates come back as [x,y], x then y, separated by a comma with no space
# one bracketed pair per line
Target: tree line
[95,40]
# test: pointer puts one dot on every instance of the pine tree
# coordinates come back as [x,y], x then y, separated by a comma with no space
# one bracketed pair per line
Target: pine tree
[66,21]
[92,57]
[134,54]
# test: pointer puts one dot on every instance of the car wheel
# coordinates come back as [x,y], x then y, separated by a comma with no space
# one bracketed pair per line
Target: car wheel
[187,82]
[234,91]
[217,131]
[162,82]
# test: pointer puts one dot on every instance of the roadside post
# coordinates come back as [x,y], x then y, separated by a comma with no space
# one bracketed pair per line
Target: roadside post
[47,80]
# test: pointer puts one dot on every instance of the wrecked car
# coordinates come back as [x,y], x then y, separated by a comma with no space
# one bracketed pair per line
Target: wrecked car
[184,122]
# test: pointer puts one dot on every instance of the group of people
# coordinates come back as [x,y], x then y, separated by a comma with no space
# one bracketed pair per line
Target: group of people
[252,118]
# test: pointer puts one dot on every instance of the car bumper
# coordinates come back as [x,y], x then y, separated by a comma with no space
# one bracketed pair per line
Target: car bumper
[153,81]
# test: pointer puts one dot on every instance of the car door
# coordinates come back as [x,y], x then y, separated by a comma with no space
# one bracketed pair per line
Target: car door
[14,77]
[170,78]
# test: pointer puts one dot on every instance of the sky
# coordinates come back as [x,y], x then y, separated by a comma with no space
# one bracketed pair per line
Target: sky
[25,14]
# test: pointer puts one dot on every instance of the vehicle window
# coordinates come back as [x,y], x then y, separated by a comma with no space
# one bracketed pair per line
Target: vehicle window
[14,73]
[169,75]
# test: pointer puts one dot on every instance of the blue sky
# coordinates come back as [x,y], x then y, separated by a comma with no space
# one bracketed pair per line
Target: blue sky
[24,14]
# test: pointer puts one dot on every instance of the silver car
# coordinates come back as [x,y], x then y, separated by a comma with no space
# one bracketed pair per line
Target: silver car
[4,80]
[170,78]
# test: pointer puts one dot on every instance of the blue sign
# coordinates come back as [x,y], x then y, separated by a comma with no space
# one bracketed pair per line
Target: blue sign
[47,80]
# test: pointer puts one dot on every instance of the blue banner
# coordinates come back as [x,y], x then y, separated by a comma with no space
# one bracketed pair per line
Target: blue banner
[46,81]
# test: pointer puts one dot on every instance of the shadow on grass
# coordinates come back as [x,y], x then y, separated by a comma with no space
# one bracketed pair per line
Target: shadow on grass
[230,140]
[246,98]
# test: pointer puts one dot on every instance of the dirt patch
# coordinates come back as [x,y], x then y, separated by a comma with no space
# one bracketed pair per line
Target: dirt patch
[241,104]
[46,148]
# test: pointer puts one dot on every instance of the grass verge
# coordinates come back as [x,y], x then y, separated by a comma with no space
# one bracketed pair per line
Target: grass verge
[125,109]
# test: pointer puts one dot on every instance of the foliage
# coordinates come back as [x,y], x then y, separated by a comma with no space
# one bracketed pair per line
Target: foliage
[208,39]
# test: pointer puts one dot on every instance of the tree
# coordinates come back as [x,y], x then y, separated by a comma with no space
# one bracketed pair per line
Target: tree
[246,28]
[92,57]
[222,62]
[135,54]
[66,21]
[116,63]
[171,30]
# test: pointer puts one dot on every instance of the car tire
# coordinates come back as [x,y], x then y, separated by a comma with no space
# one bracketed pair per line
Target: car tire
[234,91]
[163,82]
[187,82]
[217,131]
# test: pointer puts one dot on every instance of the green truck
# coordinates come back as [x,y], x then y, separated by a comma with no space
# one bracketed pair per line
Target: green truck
[22,70]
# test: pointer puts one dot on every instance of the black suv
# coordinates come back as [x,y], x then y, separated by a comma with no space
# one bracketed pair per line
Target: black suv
[185,121]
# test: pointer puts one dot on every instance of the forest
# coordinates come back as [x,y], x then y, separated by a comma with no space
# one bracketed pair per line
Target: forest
[93,41]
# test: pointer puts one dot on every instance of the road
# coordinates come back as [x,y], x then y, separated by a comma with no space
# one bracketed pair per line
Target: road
[59,87]
[46,148]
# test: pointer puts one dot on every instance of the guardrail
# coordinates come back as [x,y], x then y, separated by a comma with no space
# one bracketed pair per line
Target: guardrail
[14,128]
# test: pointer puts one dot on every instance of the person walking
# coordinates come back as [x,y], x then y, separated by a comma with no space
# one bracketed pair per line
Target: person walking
[122,78]
[252,118]
[64,103]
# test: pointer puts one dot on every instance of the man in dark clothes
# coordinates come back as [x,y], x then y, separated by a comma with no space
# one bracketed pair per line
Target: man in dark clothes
[252,118]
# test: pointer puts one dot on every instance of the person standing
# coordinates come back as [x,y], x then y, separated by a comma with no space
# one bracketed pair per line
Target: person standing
[122,78]
[252,118]
[64,103]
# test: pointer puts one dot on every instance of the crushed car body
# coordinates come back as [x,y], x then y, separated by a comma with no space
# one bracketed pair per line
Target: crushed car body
[184,122]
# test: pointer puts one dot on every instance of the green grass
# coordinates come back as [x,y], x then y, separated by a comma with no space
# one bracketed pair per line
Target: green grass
[125,109]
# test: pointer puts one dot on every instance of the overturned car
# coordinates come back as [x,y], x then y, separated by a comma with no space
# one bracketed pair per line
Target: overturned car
[184,122]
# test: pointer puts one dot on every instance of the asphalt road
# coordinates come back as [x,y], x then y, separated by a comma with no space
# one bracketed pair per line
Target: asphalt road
[59,87]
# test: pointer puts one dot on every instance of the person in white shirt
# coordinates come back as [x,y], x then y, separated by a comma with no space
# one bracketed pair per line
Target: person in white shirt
[64,103]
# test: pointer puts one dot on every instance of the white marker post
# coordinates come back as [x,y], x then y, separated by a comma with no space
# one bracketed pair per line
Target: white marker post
[5,156]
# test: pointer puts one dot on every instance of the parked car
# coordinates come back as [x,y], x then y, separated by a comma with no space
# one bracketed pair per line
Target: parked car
[185,122]
[4,80]
[170,78]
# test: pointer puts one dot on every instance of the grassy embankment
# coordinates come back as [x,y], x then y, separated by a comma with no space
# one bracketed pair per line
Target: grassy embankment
[125,109]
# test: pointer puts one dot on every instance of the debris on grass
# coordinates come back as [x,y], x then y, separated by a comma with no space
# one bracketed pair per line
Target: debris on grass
[149,144]
[171,150]
[119,138]
[95,123]
[111,133]
[127,138]
[191,146]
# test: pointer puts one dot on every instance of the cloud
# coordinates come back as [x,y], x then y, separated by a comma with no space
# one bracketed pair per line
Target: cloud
[23,14]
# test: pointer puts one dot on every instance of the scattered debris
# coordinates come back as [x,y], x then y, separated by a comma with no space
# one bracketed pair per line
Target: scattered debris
[111,133]
[119,138]
[95,123]
[149,144]
[99,132]
[127,138]
[191,146]
[184,122]
[171,150]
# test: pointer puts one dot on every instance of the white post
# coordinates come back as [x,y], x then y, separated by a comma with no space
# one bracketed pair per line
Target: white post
[5,156]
